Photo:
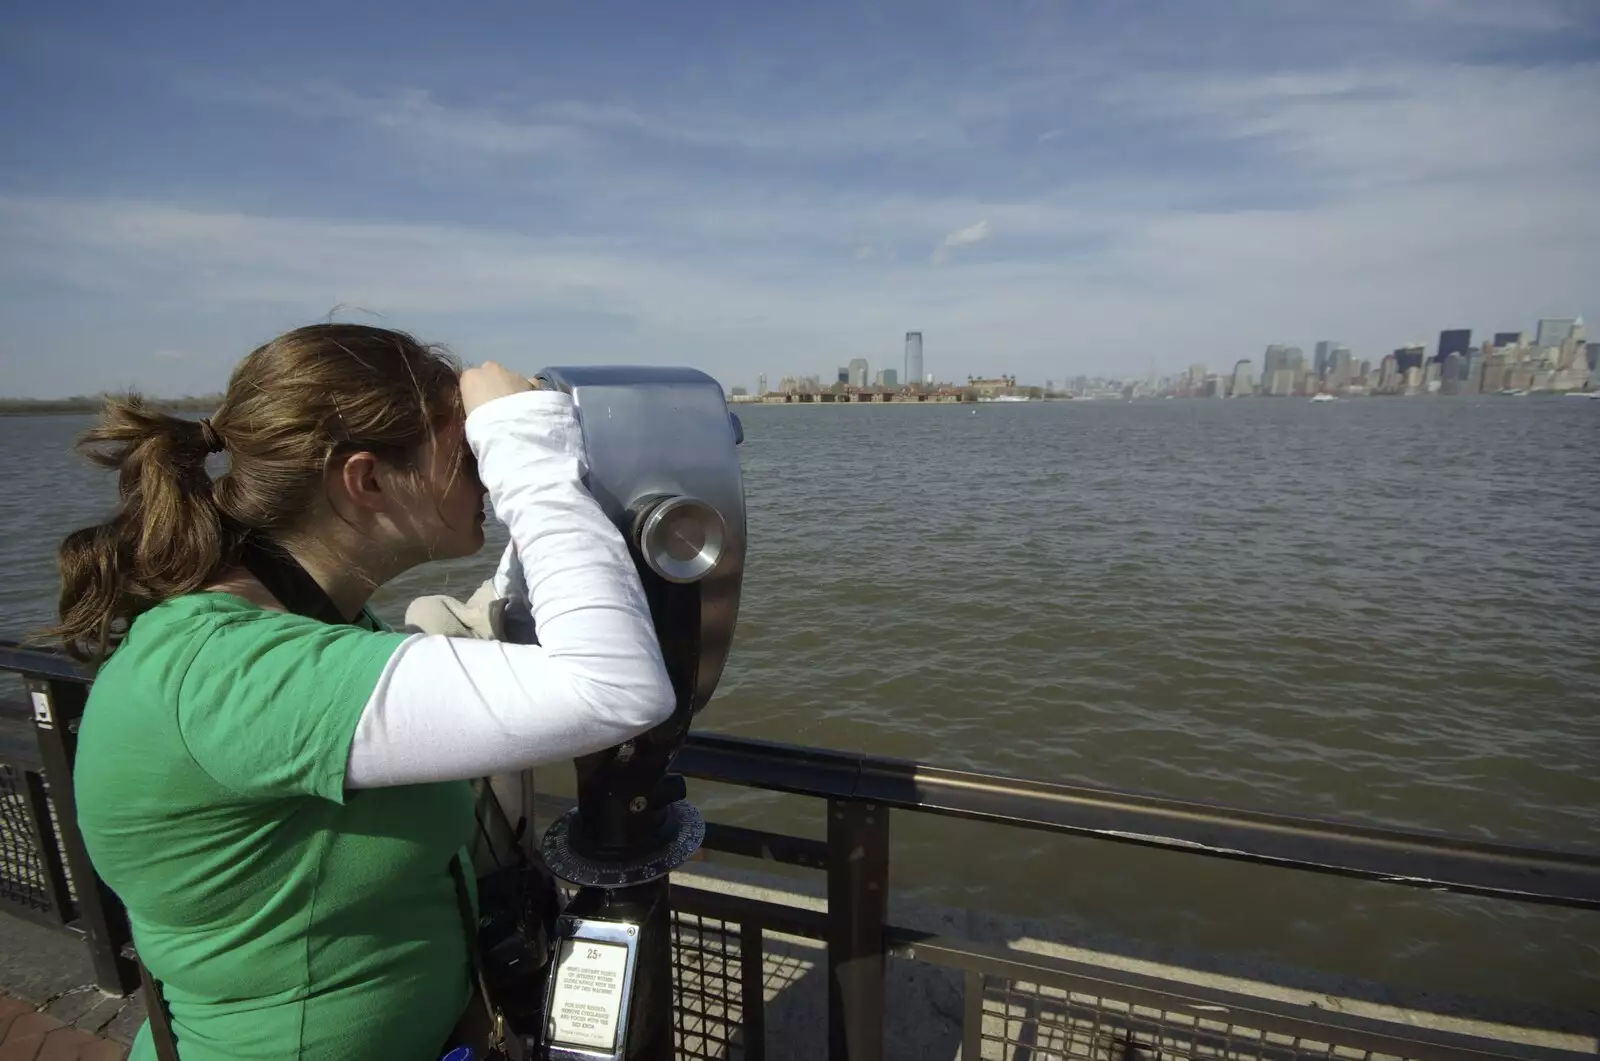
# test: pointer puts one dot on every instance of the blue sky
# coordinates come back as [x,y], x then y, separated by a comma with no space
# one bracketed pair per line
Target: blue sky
[1040,188]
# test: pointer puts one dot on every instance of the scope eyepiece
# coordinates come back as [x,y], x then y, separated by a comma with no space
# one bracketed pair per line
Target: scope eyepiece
[680,538]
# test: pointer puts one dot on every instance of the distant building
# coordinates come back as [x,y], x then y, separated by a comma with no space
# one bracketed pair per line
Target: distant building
[858,372]
[844,374]
[1322,358]
[1271,361]
[761,383]
[1389,375]
[1295,360]
[1553,331]
[1410,357]
[1281,383]
[1495,369]
[1454,341]
[1592,353]
[1452,370]
[1340,370]
[914,357]
[1243,381]
[738,392]
[989,388]
[888,377]
[1505,339]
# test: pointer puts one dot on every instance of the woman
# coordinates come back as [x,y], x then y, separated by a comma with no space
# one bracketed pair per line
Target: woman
[277,799]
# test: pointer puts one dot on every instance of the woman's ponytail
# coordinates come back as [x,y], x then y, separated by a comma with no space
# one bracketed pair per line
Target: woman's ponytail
[167,537]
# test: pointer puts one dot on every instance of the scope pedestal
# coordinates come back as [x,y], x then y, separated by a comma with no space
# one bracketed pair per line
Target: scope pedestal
[659,444]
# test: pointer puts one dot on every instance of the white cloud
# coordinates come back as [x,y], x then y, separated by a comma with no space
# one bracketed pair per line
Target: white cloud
[961,237]
[1374,202]
[546,128]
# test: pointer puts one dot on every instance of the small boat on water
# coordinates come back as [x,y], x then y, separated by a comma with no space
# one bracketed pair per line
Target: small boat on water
[1315,398]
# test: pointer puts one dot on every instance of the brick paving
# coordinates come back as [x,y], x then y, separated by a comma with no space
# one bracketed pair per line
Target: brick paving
[27,1034]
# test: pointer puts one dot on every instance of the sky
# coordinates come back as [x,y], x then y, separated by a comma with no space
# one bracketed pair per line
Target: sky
[1040,188]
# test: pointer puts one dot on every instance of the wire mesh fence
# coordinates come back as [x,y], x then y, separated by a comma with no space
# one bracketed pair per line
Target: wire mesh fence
[23,886]
[708,974]
[1038,1022]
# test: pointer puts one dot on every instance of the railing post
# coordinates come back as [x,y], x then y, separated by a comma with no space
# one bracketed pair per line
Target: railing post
[972,1016]
[57,707]
[753,991]
[858,900]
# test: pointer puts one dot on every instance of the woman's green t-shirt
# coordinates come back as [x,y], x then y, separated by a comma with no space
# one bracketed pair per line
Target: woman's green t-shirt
[286,917]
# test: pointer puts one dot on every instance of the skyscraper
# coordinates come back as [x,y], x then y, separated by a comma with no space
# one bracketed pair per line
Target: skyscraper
[1553,331]
[913,357]
[844,374]
[1243,382]
[1340,369]
[1389,374]
[1410,356]
[1294,363]
[761,384]
[1507,339]
[1454,341]
[858,372]
[1272,360]
[1322,357]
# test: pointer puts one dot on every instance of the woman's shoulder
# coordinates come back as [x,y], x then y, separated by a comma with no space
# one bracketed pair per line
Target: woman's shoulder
[166,639]
[177,623]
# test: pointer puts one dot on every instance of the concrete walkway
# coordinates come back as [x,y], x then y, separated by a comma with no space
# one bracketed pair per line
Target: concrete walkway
[50,1009]
[26,1034]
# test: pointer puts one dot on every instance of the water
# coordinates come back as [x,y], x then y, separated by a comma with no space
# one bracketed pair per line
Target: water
[1382,610]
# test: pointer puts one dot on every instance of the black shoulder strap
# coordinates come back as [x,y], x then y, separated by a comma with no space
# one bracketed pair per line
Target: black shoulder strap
[286,580]
[469,926]
[155,1005]
[298,592]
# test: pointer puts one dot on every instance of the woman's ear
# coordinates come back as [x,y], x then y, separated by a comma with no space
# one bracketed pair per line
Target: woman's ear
[357,482]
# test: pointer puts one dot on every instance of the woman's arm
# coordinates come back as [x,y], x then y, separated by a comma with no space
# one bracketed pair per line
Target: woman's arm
[447,708]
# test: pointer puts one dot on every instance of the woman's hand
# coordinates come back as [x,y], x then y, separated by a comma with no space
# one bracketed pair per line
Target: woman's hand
[488,381]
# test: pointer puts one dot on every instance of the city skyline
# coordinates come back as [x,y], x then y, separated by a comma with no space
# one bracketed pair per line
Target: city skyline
[1042,190]
[1330,358]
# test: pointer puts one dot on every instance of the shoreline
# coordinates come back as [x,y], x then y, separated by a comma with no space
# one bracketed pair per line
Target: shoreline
[77,407]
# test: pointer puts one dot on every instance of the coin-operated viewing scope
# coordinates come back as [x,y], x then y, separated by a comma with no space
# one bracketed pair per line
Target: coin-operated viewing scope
[660,449]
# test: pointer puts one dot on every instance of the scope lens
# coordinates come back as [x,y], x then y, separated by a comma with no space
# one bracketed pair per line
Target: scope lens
[681,539]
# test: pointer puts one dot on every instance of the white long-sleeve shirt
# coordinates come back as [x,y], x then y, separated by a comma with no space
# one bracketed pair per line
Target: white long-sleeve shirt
[449,708]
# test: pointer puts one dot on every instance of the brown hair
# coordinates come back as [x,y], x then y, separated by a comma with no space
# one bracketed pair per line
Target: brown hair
[291,409]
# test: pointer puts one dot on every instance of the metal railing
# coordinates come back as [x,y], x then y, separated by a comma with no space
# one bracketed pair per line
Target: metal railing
[1015,1003]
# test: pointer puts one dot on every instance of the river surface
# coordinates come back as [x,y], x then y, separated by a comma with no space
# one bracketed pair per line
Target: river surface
[1384,610]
